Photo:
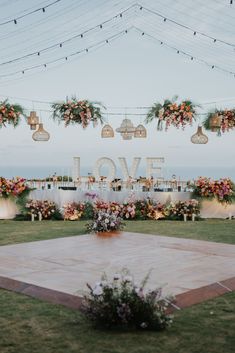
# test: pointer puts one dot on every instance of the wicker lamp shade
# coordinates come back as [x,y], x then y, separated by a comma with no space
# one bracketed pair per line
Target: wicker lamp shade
[33,120]
[41,134]
[107,131]
[215,122]
[126,129]
[199,137]
[140,132]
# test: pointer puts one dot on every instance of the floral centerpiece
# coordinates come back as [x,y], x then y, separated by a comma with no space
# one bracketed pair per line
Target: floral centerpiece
[80,112]
[220,120]
[223,190]
[105,222]
[121,303]
[47,209]
[13,187]
[10,113]
[73,211]
[172,113]
[177,210]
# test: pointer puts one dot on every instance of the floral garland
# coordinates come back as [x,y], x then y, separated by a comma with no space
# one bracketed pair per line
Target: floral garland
[12,187]
[226,120]
[10,114]
[75,111]
[172,113]
[223,190]
[140,209]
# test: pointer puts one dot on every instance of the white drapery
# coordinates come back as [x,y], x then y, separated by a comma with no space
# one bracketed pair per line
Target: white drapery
[61,197]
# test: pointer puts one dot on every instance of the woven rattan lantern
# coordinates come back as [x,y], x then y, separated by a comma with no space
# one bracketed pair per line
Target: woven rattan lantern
[107,131]
[33,120]
[41,134]
[215,122]
[126,129]
[140,132]
[199,137]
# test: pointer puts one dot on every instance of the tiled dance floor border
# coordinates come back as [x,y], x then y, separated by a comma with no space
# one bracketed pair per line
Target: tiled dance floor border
[182,300]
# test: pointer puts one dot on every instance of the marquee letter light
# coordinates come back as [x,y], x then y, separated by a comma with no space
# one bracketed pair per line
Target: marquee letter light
[152,168]
[125,172]
[111,165]
[76,168]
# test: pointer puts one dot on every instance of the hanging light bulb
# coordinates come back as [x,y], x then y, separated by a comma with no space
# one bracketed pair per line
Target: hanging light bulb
[199,137]
[33,120]
[126,129]
[40,134]
[140,132]
[107,131]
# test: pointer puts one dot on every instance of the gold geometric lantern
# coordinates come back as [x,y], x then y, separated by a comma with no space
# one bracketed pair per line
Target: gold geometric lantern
[199,137]
[107,131]
[140,132]
[40,134]
[215,122]
[33,120]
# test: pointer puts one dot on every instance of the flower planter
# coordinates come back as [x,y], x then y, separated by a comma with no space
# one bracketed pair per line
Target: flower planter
[8,208]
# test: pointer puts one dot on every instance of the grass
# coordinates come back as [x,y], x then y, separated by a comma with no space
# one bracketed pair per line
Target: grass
[217,230]
[28,325]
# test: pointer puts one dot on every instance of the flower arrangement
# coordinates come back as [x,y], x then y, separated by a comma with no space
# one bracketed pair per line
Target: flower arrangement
[105,222]
[177,210]
[225,120]
[75,111]
[120,303]
[47,209]
[172,113]
[223,190]
[10,113]
[12,187]
[128,210]
[155,210]
[73,211]
[76,211]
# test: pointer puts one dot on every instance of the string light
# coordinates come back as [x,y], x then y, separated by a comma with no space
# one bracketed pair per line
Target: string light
[185,53]
[186,27]
[61,43]
[111,38]
[43,9]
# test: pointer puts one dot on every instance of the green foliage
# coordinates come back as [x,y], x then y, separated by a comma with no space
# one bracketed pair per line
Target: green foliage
[10,113]
[121,304]
[80,112]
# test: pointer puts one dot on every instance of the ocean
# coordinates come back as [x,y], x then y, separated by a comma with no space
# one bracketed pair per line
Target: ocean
[181,172]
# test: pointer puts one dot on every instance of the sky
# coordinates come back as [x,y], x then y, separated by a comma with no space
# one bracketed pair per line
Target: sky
[131,71]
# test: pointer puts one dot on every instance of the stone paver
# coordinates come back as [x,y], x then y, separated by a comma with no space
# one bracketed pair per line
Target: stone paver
[67,264]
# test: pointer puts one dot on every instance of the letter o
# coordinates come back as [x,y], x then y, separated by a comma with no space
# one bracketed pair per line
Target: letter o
[111,165]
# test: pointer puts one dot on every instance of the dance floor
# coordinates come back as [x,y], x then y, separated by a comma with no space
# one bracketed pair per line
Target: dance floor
[67,264]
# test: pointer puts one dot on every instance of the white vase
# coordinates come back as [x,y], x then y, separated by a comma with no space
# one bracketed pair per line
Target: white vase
[8,208]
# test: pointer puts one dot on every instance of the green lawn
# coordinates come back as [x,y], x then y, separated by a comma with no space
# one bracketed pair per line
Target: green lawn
[31,326]
[213,230]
